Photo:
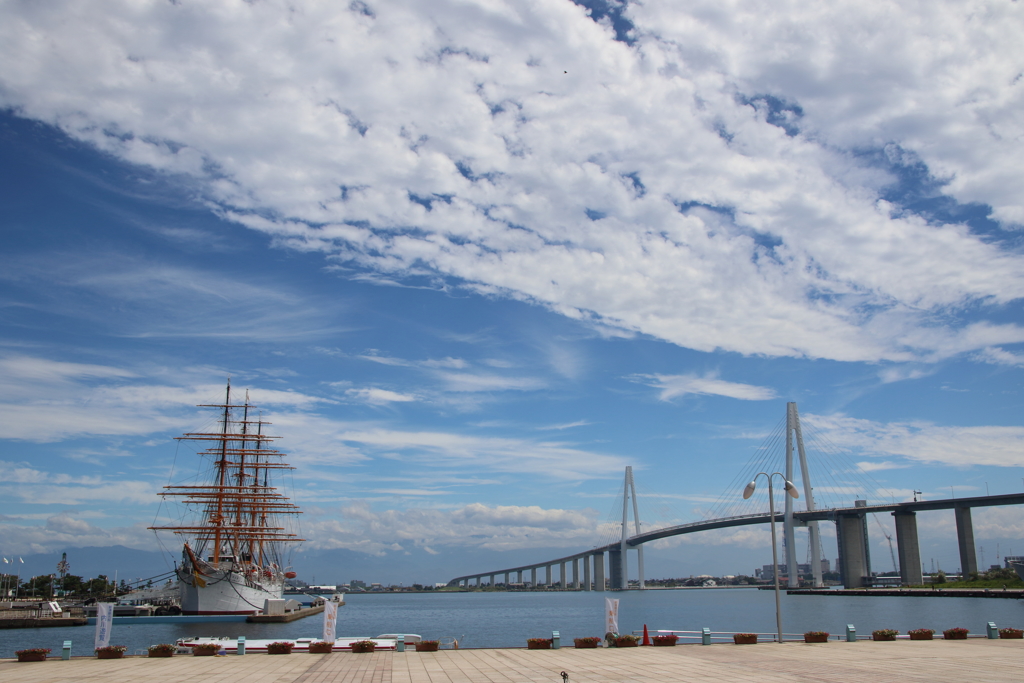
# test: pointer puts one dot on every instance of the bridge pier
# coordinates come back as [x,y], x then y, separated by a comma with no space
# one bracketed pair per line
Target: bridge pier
[854,563]
[533,577]
[908,548]
[506,580]
[599,571]
[965,539]
[587,562]
[562,583]
[548,574]
[617,580]
[576,573]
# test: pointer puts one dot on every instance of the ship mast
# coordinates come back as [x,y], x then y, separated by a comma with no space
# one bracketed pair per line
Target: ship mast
[236,513]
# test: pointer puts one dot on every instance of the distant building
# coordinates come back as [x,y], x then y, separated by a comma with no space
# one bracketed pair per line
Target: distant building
[766,572]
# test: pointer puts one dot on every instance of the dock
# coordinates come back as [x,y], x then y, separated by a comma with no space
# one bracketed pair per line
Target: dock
[1012,594]
[977,660]
[286,617]
[41,622]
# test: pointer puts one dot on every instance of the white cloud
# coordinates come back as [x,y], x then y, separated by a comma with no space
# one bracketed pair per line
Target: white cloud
[923,442]
[517,148]
[494,454]
[673,386]
[376,396]
[998,356]
[359,527]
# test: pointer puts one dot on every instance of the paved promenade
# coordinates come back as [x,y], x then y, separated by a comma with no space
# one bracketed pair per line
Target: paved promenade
[976,660]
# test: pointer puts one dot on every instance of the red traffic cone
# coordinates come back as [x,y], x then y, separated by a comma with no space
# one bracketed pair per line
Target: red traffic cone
[647,638]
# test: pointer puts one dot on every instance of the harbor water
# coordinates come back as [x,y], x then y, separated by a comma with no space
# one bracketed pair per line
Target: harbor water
[507,619]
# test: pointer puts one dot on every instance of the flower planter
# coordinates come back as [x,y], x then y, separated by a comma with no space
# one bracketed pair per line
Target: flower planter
[363,646]
[815,637]
[109,655]
[161,654]
[32,657]
[585,644]
[279,649]
[921,634]
[427,646]
[745,638]
[954,636]
[882,637]
[321,648]
[196,652]
[1005,633]
[538,644]
[627,642]
[664,641]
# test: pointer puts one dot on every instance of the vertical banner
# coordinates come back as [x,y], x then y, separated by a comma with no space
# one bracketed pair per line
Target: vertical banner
[104,622]
[330,620]
[611,615]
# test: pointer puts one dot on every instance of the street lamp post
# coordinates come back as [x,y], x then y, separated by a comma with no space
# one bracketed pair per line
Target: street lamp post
[791,490]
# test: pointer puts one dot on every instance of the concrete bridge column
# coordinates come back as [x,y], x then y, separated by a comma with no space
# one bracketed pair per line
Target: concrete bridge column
[492,580]
[852,556]
[599,571]
[533,577]
[587,583]
[506,579]
[617,580]
[548,571]
[479,581]
[520,576]
[576,573]
[908,548]
[562,582]
[965,538]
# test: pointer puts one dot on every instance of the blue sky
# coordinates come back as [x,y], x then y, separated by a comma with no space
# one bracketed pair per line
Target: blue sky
[475,259]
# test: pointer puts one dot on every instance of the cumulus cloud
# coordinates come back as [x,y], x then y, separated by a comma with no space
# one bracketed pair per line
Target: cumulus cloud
[723,182]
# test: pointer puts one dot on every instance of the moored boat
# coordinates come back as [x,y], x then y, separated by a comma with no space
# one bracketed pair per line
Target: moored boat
[233,529]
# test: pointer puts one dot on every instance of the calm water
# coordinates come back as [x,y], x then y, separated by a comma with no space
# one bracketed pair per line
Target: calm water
[508,619]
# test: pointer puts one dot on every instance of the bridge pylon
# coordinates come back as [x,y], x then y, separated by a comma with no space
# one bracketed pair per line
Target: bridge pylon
[620,573]
[795,435]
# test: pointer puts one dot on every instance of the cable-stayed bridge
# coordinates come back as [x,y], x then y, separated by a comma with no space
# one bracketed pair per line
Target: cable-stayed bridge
[610,560]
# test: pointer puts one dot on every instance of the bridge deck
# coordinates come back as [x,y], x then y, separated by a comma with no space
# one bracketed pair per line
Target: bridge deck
[980,661]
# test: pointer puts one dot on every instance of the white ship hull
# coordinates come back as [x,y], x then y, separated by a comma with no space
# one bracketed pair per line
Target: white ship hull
[226,592]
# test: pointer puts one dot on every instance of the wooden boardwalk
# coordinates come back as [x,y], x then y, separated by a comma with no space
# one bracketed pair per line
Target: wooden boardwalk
[904,661]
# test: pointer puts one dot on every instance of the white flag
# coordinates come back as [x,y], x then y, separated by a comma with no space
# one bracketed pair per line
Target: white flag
[611,615]
[104,622]
[330,621]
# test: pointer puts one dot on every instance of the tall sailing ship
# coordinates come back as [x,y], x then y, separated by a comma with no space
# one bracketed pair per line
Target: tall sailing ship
[232,523]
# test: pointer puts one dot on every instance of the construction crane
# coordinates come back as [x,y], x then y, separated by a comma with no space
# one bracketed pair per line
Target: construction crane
[888,537]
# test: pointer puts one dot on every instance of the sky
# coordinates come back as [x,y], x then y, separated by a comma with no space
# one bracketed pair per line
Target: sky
[472,258]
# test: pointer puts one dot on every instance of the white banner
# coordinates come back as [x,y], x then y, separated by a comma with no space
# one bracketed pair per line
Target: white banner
[104,622]
[330,621]
[611,615]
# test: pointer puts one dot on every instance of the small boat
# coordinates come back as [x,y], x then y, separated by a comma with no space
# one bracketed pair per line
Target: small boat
[229,646]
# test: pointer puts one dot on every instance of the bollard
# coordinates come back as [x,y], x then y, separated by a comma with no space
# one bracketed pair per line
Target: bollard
[705,636]
[65,653]
[400,642]
[241,645]
[993,632]
[556,640]
[851,634]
